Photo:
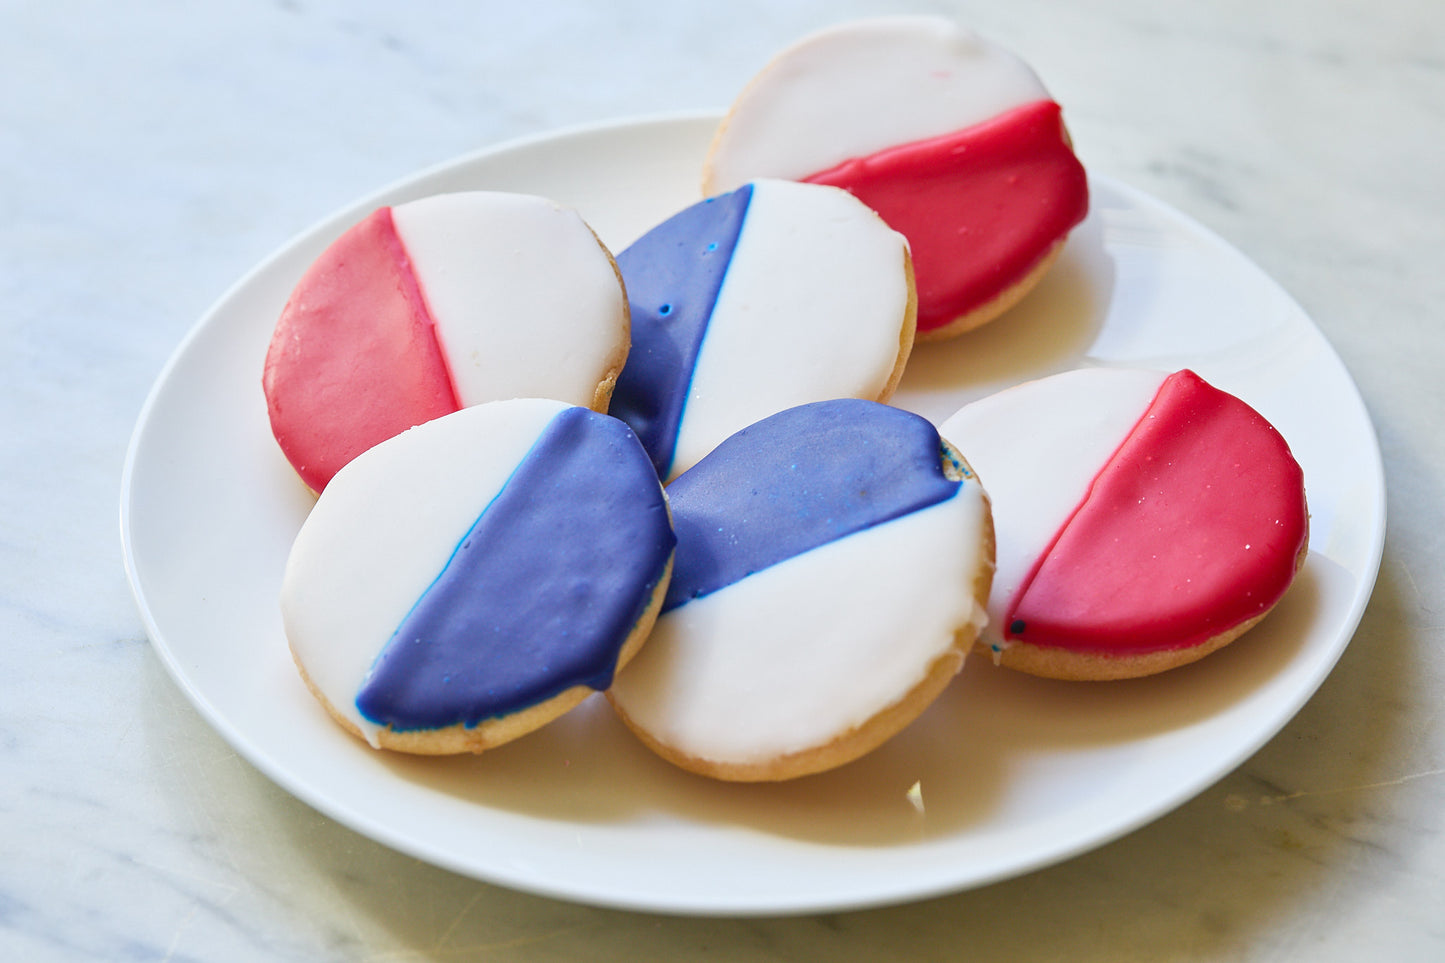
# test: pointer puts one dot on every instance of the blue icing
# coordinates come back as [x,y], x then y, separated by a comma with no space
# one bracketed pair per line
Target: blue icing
[795,481]
[540,593]
[672,275]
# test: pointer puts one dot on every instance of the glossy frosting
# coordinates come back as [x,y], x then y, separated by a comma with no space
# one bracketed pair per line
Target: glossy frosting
[951,138]
[842,466]
[527,302]
[1137,511]
[805,648]
[542,591]
[1037,447]
[476,565]
[440,303]
[813,303]
[1192,527]
[981,207]
[672,274]
[353,359]
[862,87]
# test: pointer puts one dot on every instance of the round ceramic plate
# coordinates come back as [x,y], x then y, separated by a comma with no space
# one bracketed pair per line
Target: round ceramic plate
[1004,774]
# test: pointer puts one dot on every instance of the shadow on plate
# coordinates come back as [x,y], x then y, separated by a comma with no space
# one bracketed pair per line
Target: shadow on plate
[951,769]
[1050,330]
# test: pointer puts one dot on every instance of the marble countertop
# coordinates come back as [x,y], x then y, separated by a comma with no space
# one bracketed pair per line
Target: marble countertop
[150,154]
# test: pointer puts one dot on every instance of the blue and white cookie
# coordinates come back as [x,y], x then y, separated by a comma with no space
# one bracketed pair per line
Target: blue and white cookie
[833,564]
[474,577]
[774,295]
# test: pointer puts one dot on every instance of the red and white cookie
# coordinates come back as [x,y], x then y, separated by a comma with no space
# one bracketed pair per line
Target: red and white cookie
[439,304]
[1143,519]
[953,140]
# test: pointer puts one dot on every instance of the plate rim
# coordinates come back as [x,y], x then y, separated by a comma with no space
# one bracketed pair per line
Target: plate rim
[390,837]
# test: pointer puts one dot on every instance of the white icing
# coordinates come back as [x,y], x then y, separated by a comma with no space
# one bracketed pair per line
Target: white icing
[383,530]
[1037,448]
[796,655]
[861,87]
[812,308]
[525,300]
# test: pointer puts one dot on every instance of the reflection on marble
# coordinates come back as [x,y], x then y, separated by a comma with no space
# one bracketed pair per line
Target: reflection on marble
[152,154]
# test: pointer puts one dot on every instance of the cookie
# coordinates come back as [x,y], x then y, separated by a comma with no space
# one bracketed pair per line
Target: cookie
[1144,519]
[472,578]
[832,565]
[761,299]
[434,305]
[952,139]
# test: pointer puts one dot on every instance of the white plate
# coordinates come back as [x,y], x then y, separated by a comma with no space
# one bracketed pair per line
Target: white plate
[1004,774]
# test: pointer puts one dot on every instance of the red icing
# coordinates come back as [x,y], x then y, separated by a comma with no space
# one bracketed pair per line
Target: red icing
[980,207]
[354,359]
[1192,527]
